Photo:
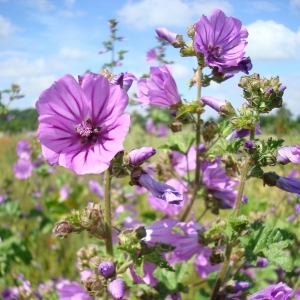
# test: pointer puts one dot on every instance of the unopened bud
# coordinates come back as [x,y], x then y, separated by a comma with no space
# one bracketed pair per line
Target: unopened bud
[117,288]
[191,31]
[107,269]
[139,156]
[176,126]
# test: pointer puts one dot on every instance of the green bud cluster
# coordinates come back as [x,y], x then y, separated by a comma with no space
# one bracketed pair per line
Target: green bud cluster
[262,94]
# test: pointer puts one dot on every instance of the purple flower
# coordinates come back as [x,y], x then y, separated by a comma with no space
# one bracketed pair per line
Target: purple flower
[160,190]
[23,149]
[160,89]
[183,163]
[249,145]
[150,127]
[124,80]
[73,291]
[201,148]
[216,181]
[187,245]
[10,293]
[165,34]
[95,187]
[275,291]
[213,103]
[139,156]
[64,192]
[151,55]
[288,154]
[107,269]
[282,88]
[148,277]
[245,65]
[165,207]
[117,288]
[291,185]
[160,231]
[241,133]
[221,39]
[22,169]
[83,126]
[162,131]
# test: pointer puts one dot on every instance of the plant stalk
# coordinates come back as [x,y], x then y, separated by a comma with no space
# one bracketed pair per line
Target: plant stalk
[107,219]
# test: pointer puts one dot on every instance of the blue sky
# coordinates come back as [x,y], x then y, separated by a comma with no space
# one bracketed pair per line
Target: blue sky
[41,40]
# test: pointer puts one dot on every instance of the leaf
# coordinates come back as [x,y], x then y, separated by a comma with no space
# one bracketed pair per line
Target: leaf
[179,142]
[269,243]
[191,107]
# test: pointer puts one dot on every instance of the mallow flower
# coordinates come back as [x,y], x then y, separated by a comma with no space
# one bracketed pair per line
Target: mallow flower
[72,290]
[165,34]
[23,149]
[275,291]
[221,39]
[140,155]
[117,288]
[160,89]
[241,133]
[82,126]
[124,80]
[288,154]
[22,169]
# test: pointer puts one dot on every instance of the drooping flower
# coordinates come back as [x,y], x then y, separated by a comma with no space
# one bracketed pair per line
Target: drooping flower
[288,154]
[22,169]
[160,190]
[83,126]
[160,89]
[241,133]
[117,288]
[165,34]
[72,291]
[23,149]
[275,291]
[139,156]
[218,184]
[151,55]
[165,207]
[221,39]
[95,187]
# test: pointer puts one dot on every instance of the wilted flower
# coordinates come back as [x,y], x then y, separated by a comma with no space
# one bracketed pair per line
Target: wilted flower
[117,288]
[275,291]
[83,126]
[138,156]
[159,190]
[107,269]
[95,187]
[23,149]
[288,154]
[160,89]
[221,39]
[22,169]
[165,34]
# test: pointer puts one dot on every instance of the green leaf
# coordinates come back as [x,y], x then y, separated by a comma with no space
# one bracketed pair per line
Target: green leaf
[191,107]
[180,142]
[269,243]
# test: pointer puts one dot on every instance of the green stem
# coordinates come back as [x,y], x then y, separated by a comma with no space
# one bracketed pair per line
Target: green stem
[223,273]
[107,220]
[125,265]
[198,140]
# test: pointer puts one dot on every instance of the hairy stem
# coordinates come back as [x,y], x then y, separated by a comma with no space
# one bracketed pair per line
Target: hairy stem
[107,220]
[223,273]
[198,140]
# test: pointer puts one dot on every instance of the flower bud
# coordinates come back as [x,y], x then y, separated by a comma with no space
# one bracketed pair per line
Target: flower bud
[107,269]
[139,156]
[117,288]
[201,148]
[191,31]
[62,229]
[176,126]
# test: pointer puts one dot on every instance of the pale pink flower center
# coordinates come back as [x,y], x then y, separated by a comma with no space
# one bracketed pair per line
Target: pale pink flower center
[87,131]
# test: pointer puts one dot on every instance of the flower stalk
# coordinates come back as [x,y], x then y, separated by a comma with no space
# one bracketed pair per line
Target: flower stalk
[107,220]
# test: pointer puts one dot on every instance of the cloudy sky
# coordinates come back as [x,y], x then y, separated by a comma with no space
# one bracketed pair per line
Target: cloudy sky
[41,40]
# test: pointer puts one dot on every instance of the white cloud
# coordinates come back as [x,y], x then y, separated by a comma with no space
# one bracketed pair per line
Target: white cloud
[6,28]
[269,40]
[69,2]
[41,5]
[295,3]
[145,13]
[72,53]
[181,71]
[263,5]
[71,14]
